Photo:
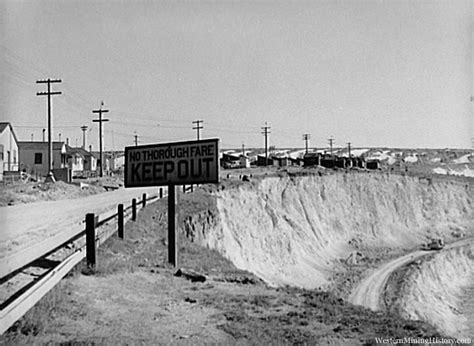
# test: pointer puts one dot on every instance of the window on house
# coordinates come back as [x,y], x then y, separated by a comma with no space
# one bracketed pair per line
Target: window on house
[38,158]
[1,152]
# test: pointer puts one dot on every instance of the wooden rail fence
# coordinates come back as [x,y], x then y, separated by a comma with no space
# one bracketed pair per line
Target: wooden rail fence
[89,239]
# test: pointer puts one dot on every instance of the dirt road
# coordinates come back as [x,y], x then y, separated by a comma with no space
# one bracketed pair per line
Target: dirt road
[24,225]
[370,291]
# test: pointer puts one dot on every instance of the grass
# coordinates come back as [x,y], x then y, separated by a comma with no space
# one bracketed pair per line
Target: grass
[247,309]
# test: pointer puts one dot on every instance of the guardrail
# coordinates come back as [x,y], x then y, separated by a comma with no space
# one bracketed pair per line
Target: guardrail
[86,241]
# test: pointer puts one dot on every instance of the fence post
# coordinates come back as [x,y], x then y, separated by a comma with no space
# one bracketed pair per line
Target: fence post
[120,221]
[144,200]
[90,241]
[134,209]
[172,234]
[184,188]
[192,189]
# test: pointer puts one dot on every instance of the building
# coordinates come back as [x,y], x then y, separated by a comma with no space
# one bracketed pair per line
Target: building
[33,157]
[312,159]
[9,153]
[373,164]
[261,161]
[75,161]
[230,160]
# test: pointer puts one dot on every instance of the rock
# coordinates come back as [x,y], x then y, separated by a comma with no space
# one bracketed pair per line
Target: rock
[191,275]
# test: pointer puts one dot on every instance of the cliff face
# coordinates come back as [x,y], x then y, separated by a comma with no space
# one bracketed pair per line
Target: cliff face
[434,291]
[289,230]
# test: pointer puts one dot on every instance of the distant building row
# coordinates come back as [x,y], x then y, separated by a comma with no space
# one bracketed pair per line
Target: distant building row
[32,158]
[308,160]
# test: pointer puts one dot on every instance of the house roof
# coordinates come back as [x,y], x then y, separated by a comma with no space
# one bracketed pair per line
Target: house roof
[39,145]
[74,151]
[82,151]
[4,125]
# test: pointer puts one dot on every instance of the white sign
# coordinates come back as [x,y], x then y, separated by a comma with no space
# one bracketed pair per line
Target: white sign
[178,163]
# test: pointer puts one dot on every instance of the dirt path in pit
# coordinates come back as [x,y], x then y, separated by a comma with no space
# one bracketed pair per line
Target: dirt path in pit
[370,291]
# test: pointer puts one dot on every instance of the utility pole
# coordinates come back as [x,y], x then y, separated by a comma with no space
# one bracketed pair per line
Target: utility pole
[349,148]
[100,121]
[44,130]
[50,175]
[306,138]
[243,149]
[32,137]
[198,127]
[84,130]
[136,139]
[331,142]
[266,132]
[59,137]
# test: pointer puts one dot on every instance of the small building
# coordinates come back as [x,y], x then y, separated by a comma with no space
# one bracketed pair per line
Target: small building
[229,161]
[262,161]
[280,161]
[9,153]
[33,157]
[244,162]
[75,161]
[328,161]
[373,164]
[118,162]
[340,162]
[311,159]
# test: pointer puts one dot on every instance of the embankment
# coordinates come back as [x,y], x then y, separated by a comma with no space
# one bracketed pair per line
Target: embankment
[294,229]
[434,291]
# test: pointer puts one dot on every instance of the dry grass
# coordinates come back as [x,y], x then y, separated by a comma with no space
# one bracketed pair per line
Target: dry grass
[248,310]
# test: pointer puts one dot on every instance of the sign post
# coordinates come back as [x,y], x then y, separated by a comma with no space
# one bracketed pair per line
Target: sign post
[172,241]
[172,164]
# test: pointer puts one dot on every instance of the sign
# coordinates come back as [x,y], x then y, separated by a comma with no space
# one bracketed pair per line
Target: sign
[178,163]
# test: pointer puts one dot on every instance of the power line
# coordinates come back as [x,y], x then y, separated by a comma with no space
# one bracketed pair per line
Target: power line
[198,127]
[49,93]
[136,139]
[266,132]
[100,121]
[331,142]
[306,138]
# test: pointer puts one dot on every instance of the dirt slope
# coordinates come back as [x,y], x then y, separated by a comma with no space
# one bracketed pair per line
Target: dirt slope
[134,298]
[297,230]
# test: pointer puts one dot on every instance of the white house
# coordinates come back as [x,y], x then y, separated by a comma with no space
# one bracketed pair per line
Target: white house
[8,150]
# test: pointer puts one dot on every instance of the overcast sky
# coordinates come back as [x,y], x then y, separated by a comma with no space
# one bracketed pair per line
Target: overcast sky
[374,73]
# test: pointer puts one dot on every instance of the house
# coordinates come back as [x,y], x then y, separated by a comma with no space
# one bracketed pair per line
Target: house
[261,161]
[373,164]
[312,159]
[244,161]
[33,158]
[280,161]
[8,150]
[229,160]
[90,162]
[75,160]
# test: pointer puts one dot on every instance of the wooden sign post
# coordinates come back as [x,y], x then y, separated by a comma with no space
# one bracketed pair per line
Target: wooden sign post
[172,164]
[172,235]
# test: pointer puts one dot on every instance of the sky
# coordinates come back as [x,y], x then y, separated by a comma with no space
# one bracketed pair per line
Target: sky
[374,73]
